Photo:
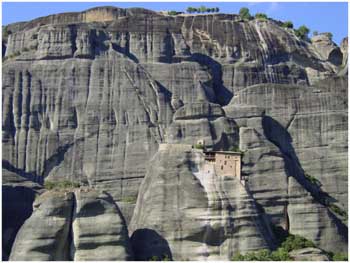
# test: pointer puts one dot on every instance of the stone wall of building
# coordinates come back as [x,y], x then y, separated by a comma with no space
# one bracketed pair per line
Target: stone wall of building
[228,164]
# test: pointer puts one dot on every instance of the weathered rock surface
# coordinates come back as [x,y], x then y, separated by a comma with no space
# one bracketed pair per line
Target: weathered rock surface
[308,254]
[99,231]
[327,49]
[279,144]
[18,195]
[185,210]
[44,236]
[75,225]
[91,96]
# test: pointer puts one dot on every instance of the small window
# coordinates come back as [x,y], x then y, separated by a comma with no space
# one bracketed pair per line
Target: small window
[222,168]
[225,163]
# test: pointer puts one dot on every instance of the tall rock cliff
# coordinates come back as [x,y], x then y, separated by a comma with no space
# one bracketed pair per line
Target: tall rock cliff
[93,97]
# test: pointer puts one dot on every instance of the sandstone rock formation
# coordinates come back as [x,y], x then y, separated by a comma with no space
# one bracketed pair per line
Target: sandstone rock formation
[194,212]
[92,97]
[308,254]
[44,236]
[79,225]
[99,230]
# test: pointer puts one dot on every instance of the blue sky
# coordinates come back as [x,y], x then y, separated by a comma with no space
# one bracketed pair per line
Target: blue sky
[319,16]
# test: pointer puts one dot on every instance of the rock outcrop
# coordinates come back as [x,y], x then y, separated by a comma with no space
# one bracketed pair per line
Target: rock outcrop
[92,97]
[18,195]
[327,49]
[308,254]
[44,236]
[73,225]
[191,212]
[99,230]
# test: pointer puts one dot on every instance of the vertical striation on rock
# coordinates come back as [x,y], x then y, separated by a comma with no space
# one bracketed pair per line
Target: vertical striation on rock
[75,225]
[98,229]
[92,97]
[45,236]
[186,211]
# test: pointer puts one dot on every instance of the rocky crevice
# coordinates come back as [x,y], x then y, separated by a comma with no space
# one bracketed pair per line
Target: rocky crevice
[90,97]
[73,236]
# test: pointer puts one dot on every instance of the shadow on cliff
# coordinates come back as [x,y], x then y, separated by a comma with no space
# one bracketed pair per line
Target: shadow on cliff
[223,94]
[27,175]
[280,137]
[16,208]
[49,164]
[148,244]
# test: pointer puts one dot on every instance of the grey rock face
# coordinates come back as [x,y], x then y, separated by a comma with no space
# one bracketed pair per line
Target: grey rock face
[308,254]
[90,97]
[192,213]
[327,49]
[80,225]
[99,232]
[44,236]
[279,146]
[18,195]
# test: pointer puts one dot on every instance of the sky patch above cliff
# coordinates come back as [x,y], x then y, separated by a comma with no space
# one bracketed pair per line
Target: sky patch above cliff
[318,16]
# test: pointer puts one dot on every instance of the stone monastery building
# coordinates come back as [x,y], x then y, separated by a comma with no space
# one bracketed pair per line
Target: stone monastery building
[225,163]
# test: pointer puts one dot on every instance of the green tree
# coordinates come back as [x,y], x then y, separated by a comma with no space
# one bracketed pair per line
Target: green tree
[338,256]
[261,16]
[190,10]
[329,35]
[296,242]
[202,9]
[288,24]
[172,13]
[217,9]
[244,13]
[302,32]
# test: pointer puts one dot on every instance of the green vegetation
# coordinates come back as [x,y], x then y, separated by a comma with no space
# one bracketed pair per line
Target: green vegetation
[292,242]
[336,209]
[172,13]
[329,35]
[313,180]
[199,146]
[261,16]
[302,32]
[235,149]
[338,256]
[64,184]
[288,24]
[13,55]
[315,33]
[288,244]
[263,255]
[244,13]
[129,199]
[202,9]
[165,257]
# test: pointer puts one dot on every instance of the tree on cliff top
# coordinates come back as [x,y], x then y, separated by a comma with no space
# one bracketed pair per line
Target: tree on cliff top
[302,32]
[244,13]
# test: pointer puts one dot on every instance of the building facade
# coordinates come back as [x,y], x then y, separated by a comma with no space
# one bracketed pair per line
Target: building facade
[225,163]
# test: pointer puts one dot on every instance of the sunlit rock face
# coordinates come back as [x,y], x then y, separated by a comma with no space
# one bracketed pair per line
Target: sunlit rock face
[89,97]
